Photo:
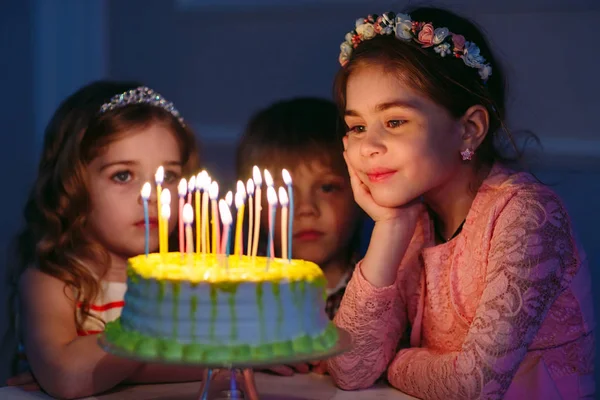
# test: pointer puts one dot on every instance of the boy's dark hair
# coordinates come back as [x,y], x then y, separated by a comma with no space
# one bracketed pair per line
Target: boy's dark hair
[290,132]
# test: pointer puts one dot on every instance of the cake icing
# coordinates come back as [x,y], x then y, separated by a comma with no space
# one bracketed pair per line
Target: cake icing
[207,307]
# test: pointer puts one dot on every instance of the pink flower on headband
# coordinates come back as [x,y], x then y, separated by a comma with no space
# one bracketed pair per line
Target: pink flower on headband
[459,42]
[426,35]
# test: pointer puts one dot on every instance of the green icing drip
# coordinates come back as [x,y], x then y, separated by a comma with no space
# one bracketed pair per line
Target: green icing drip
[193,310]
[234,331]
[302,285]
[135,278]
[295,298]
[176,288]
[261,311]
[227,287]
[161,290]
[213,311]
[277,295]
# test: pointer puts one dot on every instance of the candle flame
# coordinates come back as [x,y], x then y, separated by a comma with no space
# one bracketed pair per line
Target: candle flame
[256,176]
[146,190]
[188,214]
[271,196]
[239,200]
[250,187]
[213,190]
[165,197]
[201,180]
[241,189]
[283,196]
[165,211]
[225,212]
[229,198]
[159,176]
[268,178]
[182,187]
[287,178]
[192,183]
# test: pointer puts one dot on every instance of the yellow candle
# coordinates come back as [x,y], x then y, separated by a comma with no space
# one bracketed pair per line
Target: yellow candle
[258,207]
[283,200]
[197,210]
[165,214]
[239,223]
[213,192]
[250,192]
[165,200]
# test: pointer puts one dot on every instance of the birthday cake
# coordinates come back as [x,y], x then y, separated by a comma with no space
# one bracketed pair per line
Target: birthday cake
[203,308]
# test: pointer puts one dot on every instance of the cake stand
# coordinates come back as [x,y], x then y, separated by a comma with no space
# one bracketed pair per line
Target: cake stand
[233,379]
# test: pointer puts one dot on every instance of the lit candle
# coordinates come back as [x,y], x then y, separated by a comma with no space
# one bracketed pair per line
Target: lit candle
[165,201]
[146,189]
[272,200]
[197,184]
[283,200]
[213,192]
[257,205]
[239,205]
[227,219]
[188,219]
[181,190]
[191,188]
[250,192]
[287,179]
[159,177]
[202,182]
[229,198]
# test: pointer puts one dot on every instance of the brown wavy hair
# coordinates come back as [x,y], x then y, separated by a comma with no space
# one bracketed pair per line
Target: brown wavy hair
[59,205]
[446,81]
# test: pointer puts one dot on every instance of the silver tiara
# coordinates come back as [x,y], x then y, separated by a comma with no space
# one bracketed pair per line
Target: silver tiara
[141,95]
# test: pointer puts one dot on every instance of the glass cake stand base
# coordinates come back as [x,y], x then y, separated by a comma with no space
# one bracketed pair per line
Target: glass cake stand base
[233,379]
[225,384]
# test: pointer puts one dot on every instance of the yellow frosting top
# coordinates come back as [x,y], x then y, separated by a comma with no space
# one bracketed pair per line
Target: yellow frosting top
[213,268]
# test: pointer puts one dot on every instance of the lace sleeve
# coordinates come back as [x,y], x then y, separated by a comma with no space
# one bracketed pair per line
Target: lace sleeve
[375,318]
[532,256]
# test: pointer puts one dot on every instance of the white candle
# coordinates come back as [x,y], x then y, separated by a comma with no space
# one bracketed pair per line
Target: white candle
[287,179]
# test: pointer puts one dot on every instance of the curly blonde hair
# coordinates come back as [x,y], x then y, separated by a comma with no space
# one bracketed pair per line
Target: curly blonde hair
[59,205]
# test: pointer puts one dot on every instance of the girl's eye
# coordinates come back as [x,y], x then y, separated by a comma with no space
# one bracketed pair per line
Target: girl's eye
[394,123]
[330,187]
[122,177]
[172,176]
[357,129]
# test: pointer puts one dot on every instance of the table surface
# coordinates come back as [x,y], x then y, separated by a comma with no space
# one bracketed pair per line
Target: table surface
[270,387]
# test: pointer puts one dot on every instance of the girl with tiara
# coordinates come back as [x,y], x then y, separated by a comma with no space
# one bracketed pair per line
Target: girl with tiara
[85,218]
[473,285]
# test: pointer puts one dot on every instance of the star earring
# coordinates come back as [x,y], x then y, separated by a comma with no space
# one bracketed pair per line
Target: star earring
[467,154]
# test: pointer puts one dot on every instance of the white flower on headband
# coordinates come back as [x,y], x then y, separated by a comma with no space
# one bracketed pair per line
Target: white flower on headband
[444,42]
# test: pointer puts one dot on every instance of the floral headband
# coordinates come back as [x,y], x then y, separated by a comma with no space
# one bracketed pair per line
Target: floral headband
[443,41]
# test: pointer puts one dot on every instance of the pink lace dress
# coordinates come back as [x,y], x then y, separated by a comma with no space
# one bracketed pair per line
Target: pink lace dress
[504,310]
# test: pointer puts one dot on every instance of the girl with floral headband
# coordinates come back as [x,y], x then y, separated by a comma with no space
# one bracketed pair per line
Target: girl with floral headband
[473,285]
[85,218]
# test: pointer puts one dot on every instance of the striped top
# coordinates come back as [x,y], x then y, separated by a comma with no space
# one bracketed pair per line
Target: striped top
[107,306]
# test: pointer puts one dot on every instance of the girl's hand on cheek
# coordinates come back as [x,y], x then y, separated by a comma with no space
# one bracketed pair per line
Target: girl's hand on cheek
[365,200]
